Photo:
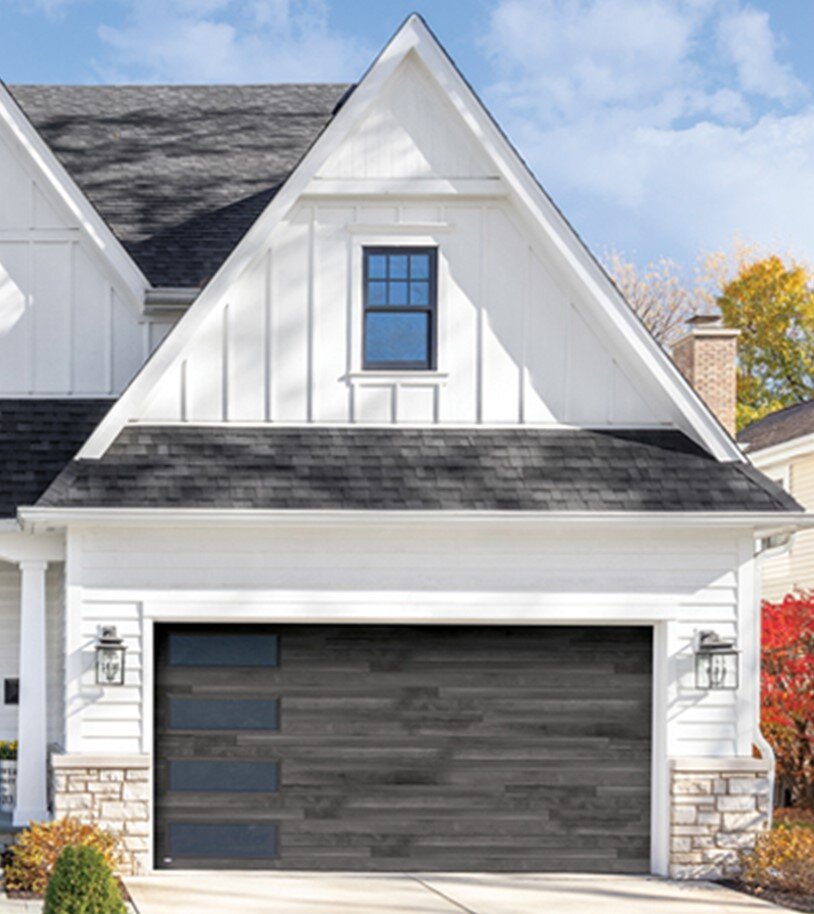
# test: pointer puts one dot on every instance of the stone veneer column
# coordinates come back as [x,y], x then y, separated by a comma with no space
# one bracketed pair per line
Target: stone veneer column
[111,792]
[718,808]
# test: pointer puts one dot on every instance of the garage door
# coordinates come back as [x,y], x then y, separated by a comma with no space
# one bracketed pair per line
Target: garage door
[403,748]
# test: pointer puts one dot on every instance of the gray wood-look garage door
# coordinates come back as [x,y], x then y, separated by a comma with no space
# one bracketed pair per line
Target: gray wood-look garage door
[403,747]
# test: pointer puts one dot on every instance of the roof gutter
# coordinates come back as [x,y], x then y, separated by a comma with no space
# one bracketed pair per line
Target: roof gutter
[169,300]
[766,523]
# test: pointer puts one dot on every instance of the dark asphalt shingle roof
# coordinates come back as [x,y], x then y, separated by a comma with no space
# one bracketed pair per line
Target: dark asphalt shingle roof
[37,439]
[179,172]
[776,428]
[411,469]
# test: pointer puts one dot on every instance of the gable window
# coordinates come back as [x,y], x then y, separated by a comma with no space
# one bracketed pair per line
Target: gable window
[400,303]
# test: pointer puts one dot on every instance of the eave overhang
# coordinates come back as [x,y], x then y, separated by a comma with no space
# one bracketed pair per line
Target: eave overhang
[761,524]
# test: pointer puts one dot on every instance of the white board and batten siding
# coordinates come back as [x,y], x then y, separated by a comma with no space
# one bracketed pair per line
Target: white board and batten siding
[67,327]
[517,342]
[413,573]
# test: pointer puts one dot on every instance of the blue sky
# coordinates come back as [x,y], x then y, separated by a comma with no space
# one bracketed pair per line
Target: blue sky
[660,127]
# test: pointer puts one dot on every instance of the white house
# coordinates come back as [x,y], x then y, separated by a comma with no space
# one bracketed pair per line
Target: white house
[781,445]
[409,528]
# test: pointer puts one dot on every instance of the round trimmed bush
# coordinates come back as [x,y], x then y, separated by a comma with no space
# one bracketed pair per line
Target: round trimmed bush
[82,883]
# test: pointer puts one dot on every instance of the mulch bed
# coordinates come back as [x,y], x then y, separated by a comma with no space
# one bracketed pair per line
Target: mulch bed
[783,899]
[33,896]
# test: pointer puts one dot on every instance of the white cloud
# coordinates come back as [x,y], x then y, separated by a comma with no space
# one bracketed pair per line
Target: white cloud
[653,122]
[228,41]
[746,38]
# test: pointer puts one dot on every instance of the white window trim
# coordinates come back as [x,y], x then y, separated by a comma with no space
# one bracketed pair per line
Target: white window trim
[389,236]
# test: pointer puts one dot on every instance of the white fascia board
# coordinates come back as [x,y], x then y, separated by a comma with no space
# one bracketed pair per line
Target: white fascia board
[763,523]
[414,36]
[779,453]
[129,279]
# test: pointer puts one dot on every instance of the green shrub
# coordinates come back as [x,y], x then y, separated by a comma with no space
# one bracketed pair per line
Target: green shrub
[36,849]
[8,750]
[82,883]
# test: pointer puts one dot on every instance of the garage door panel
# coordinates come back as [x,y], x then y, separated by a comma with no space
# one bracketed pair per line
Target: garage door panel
[409,747]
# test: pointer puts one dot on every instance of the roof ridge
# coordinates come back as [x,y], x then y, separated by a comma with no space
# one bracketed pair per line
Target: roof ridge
[29,85]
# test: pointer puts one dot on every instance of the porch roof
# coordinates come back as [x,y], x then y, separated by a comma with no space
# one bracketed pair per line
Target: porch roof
[37,438]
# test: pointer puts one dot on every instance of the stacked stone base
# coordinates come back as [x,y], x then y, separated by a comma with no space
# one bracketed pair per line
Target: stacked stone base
[719,807]
[112,793]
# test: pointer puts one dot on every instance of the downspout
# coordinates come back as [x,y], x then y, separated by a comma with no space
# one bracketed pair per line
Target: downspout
[781,544]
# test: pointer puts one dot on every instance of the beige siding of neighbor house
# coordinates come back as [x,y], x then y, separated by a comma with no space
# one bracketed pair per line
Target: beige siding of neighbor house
[793,569]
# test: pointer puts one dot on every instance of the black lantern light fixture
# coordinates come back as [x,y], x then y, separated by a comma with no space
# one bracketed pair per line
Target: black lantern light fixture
[716,662]
[109,657]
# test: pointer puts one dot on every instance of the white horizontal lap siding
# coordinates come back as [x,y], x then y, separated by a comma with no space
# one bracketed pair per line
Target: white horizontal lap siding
[66,326]
[105,719]
[55,651]
[611,577]
[9,643]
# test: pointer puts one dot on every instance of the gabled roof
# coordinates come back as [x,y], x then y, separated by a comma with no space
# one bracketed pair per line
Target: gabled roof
[780,427]
[614,318]
[377,469]
[179,173]
[37,439]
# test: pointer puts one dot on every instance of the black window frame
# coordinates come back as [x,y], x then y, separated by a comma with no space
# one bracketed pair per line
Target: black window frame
[431,309]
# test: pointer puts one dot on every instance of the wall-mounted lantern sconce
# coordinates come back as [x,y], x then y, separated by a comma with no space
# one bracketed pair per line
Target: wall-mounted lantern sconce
[716,661]
[109,657]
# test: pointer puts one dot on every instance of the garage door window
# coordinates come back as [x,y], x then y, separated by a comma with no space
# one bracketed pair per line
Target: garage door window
[199,840]
[220,714]
[219,776]
[207,649]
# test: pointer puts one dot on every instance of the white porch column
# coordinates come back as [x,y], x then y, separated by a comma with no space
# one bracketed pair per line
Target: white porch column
[32,729]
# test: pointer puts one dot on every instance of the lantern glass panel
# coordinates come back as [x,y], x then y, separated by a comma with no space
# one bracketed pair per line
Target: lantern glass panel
[110,666]
[715,670]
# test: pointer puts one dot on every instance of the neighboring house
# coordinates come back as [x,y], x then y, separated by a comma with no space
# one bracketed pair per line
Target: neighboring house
[409,527]
[781,445]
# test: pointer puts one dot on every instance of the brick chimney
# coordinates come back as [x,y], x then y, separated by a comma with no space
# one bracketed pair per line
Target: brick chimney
[707,357]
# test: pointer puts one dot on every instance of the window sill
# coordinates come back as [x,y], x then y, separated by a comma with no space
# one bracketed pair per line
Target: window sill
[378,374]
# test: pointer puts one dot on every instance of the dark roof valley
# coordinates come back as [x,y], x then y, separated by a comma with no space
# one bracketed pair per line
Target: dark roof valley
[179,173]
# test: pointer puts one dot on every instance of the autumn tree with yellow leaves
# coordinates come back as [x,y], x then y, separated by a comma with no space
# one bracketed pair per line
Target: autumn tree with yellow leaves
[771,302]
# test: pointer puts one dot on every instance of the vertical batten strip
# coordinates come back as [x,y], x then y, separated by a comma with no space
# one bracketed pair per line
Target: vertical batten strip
[184,409]
[72,356]
[349,306]
[568,399]
[109,375]
[309,381]
[224,390]
[522,373]
[480,305]
[30,324]
[267,374]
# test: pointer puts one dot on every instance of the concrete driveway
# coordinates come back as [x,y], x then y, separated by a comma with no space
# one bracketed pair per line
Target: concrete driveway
[435,893]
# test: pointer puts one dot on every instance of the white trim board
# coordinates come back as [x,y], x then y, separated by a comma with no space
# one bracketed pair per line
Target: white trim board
[154,614]
[614,317]
[762,523]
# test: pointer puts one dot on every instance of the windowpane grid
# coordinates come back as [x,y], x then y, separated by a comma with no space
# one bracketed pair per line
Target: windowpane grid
[400,308]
